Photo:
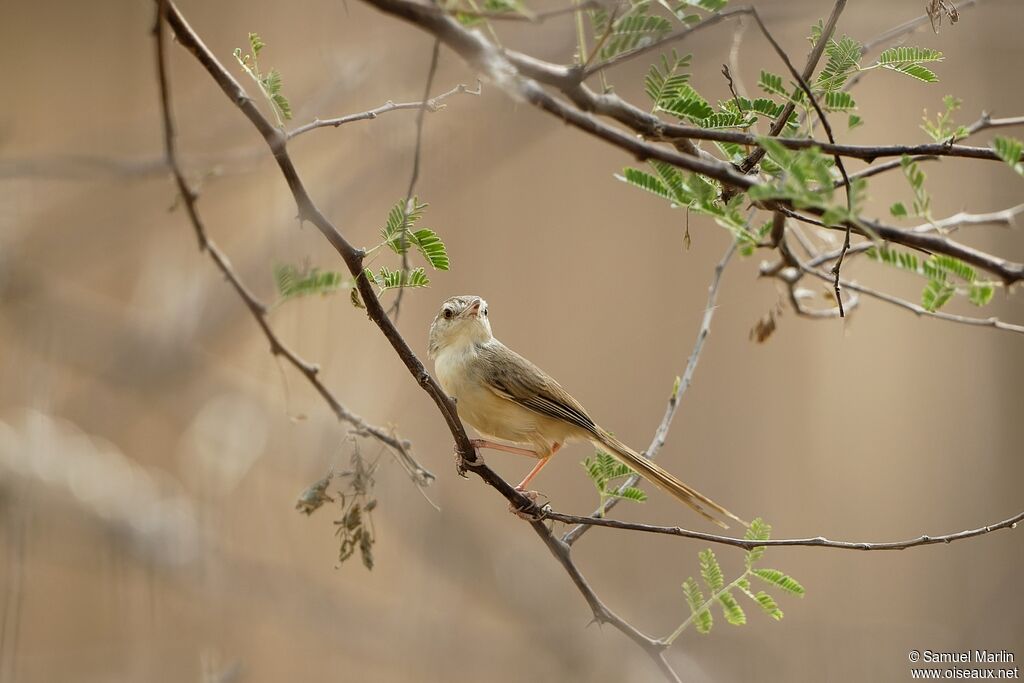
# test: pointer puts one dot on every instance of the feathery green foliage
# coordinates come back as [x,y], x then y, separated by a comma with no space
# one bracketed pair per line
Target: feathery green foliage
[843,59]
[387,279]
[270,83]
[635,27]
[292,282]
[398,234]
[604,471]
[664,81]
[772,84]
[942,129]
[940,271]
[699,194]
[916,177]
[687,104]
[1009,150]
[722,593]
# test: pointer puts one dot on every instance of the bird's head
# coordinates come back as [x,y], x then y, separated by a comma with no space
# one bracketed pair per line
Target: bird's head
[461,321]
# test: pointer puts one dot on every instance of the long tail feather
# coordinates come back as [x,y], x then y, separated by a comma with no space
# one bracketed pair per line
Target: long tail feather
[664,479]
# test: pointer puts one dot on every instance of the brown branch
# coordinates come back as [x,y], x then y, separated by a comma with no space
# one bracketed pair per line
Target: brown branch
[1007,271]
[433,104]
[661,433]
[817,541]
[671,132]
[400,447]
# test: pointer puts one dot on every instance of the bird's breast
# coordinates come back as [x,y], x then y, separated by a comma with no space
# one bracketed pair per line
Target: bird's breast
[462,378]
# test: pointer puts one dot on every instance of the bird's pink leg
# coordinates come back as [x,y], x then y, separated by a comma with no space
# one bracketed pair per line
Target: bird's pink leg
[537,468]
[484,443]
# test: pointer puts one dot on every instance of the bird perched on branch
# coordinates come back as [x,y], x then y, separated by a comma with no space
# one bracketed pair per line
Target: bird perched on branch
[504,396]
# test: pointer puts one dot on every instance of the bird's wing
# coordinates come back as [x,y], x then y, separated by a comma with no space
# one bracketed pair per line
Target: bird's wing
[516,379]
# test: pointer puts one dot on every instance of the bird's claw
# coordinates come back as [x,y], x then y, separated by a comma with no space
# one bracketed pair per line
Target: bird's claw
[532,512]
[461,461]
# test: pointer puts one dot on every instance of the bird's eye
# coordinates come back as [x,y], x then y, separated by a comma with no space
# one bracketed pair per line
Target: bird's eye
[448,314]
[485,312]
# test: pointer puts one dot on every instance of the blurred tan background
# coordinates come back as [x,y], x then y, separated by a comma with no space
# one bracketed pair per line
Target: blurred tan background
[149,462]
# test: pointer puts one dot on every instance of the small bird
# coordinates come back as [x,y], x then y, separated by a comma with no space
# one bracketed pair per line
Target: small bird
[504,396]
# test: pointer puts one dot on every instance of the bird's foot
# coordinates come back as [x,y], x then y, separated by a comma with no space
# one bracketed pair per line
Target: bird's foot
[531,512]
[461,461]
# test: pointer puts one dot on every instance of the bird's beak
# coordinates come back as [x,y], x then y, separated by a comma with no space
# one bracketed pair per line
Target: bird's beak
[474,309]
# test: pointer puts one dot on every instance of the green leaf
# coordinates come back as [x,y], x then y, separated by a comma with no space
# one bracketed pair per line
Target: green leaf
[398,234]
[711,571]
[898,210]
[769,605]
[687,104]
[921,73]
[854,122]
[256,44]
[1009,150]
[816,31]
[731,609]
[766,107]
[632,493]
[634,27]
[843,60]
[943,129]
[839,101]
[772,84]
[936,293]
[981,294]
[726,120]
[432,248]
[672,177]
[702,618]
[916,177]
[895,258]
[777,578]
[291,282]
[395,279]
[664,82]
[908,55]
[646,182]
[939,265]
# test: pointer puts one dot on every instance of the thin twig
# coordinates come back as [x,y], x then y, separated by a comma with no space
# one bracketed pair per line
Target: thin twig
[400,447]
[396,305]
[433,104]
[661,433]
[919,310]
[817,541]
